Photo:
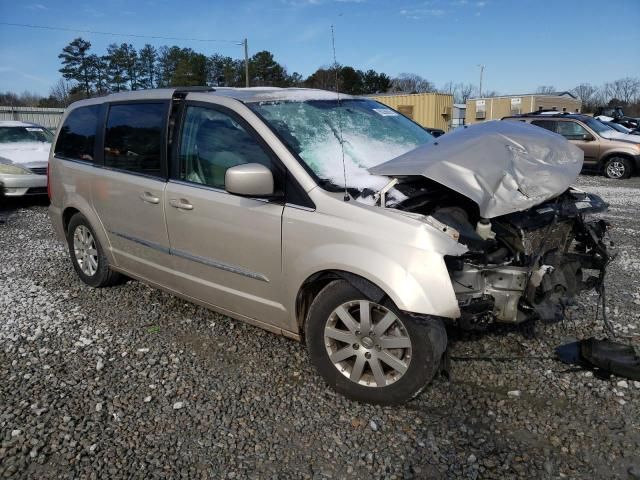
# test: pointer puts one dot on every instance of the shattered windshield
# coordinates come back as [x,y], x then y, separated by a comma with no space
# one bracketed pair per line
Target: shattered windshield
[371,134]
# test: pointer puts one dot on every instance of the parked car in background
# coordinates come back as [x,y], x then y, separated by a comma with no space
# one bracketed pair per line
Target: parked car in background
[334,221]
[24,152]
[615,154]
[619,128]
[617,115]
[436,132]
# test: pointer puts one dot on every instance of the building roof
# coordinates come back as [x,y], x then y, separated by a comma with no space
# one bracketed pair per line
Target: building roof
[552,94]
[404,94]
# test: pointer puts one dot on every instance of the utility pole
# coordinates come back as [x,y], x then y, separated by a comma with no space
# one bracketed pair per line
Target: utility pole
[246,63]
[481,72]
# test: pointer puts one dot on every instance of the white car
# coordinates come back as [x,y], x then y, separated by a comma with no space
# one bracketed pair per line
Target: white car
[24,152]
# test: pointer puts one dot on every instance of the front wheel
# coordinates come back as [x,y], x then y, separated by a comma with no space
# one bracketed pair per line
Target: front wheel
[368,351]
[617,168]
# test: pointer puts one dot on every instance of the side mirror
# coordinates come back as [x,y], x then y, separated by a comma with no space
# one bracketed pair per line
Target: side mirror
[587,137]
[249,180]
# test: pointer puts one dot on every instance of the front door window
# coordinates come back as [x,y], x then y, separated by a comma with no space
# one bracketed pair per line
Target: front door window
[212,142]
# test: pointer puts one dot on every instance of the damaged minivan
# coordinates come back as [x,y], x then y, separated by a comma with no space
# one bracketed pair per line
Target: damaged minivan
[329,219]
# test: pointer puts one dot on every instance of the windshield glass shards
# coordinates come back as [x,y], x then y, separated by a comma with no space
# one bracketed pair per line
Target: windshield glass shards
[371,134]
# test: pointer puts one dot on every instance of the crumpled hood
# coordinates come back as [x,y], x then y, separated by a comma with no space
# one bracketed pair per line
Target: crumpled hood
[504,167]
[26,154]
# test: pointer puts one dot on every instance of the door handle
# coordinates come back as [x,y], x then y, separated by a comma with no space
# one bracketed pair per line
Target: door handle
[182,204]
[149,198]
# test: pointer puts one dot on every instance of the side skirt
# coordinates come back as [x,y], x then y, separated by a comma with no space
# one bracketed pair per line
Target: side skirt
[252,321]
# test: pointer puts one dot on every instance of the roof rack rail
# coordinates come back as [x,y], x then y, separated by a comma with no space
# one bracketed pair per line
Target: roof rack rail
[181,92]
[548,111]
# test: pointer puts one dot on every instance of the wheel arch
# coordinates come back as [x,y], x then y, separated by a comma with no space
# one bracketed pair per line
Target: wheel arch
[67,214]
[317,281]
[79,205]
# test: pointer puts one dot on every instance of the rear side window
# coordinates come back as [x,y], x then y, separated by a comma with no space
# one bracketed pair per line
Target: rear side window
[78,134]
[133,137]
[546,124]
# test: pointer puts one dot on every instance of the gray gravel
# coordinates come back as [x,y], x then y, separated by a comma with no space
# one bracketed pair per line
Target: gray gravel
[132,382]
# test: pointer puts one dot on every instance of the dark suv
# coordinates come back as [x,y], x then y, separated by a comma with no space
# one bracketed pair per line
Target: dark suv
[604,149]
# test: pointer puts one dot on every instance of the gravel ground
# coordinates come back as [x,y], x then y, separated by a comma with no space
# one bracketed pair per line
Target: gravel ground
[132,382]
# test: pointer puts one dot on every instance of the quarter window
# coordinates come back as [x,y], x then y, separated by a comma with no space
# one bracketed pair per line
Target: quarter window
[546,124]
[212,142]
[133,138]
[78,134]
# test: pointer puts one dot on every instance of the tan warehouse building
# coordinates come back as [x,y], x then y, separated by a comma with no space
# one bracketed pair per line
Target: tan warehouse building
[494,108]
[431,110]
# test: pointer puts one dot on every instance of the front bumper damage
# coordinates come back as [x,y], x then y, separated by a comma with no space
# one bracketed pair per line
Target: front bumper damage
[551,253]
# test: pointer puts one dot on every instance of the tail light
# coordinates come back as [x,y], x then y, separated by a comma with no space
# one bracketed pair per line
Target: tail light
[49,180]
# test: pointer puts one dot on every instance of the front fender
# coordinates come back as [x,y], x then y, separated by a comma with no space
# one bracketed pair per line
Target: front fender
[419,283]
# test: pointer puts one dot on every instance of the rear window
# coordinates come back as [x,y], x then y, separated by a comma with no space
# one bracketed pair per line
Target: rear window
[133,138]
[78,134]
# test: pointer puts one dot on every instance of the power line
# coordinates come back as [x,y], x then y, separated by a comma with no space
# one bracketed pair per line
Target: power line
[156,37]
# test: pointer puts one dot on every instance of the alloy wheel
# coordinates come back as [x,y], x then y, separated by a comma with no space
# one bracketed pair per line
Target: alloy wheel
[86,253]
[615,169]
[367,343]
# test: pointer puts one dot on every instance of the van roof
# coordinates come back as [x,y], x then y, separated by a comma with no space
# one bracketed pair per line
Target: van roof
[559,115]
[247,95]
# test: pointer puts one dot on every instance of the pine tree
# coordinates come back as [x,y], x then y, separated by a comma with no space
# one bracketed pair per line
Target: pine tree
[116,69]
[99,66]
[130,62]
[76,64]
[147,67]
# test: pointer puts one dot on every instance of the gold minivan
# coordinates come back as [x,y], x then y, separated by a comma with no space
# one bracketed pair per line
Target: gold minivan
[615,154]
[329,219]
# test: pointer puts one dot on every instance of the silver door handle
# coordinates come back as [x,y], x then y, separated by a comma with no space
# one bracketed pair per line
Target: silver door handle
[149,198]
[182,204]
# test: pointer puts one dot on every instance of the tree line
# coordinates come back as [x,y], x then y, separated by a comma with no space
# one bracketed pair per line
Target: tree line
[122,67]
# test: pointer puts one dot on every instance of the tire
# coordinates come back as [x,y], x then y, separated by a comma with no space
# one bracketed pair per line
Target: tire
[92,267]
[617,168]
[417,345]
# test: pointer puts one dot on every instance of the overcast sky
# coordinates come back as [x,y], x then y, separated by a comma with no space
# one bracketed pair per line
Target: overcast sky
[523,43]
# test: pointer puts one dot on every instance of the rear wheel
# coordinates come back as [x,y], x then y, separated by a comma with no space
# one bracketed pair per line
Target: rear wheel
[87,255]
[370,351]
[617,168]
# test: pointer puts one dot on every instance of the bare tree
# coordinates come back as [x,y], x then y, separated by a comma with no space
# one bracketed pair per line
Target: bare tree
[448,88]
[585,92]
[463,91]
[546,89]
[589,95]
[60,91]
[411,83]
[624,89]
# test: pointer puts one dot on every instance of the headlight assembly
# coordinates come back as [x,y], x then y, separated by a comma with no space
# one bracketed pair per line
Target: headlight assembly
[9,169]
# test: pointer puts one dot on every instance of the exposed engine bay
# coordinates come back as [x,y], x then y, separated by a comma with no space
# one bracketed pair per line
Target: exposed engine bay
[520,266]
[505,188]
